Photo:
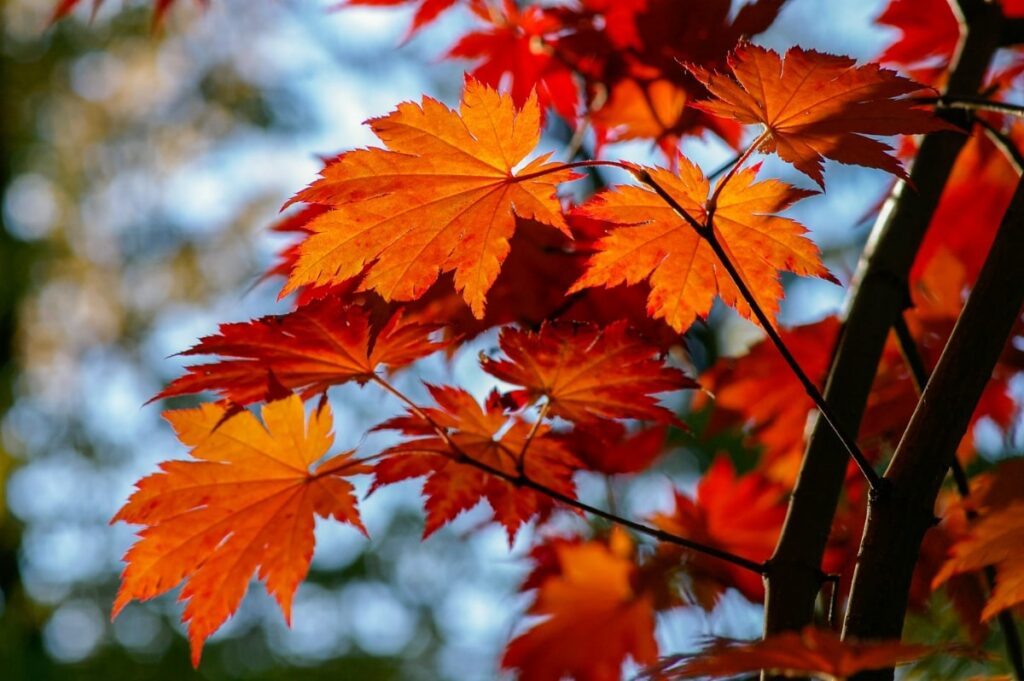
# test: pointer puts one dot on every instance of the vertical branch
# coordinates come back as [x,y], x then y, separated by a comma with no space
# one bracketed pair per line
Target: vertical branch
[897,521]
[877,298]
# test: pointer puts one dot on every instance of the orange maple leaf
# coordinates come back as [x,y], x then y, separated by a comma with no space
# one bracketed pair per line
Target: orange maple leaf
[596,616]
[816,105]
[996,539]
[586,372]
[443,197]
[318,345]
[653,242]
[247,504]
[741,514]
[490,439]
[817,652]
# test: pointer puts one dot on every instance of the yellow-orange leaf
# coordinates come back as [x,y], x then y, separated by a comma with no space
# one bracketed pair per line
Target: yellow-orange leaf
[816,105]
[247,504]
[596,617]
[998,540]
[443,196]
[815,652]
[654,243]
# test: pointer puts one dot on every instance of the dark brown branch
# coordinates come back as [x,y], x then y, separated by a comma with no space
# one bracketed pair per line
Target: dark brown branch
[897,521]
[877,297]
[919,374]
[1012,33]
[520,479]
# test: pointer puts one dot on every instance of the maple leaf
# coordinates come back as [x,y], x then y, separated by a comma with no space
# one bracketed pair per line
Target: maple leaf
[607,447]
[320,344]
[996,539]
[653,242]
[596,616]
[929,32]
[246,505]
[520,44]
[491,440]
[816,106]
[817,652]
[585,372]
[739,514]
[443,196]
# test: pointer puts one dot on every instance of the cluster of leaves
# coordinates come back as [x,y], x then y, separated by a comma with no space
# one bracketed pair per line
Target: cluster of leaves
[455,227]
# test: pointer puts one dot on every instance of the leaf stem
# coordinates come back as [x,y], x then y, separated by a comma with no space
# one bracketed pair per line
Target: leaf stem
[521,458]
[520,479]
[706,231]
[740,160]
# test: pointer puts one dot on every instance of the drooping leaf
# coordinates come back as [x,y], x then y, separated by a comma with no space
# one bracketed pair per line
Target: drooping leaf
[816,652]
[597,616]
[246,505]
[485,436]
[739,514]
[653,243]
[587,373]
[817,106]
[321,344]
[444,196]
[996,539]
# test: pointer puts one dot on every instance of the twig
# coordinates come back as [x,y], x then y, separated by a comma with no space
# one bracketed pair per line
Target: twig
[973,104]
[520,479]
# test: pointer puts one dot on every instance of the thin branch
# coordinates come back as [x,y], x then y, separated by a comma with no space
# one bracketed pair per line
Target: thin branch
[973,104]
[520,479]
[713,203]
[1004,142]
[919,375]
[708,234]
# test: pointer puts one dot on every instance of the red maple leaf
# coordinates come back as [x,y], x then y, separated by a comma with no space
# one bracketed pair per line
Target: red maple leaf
[815,106]
[466,434]
[321,344]
[739,514]
[586,373]
[596,614]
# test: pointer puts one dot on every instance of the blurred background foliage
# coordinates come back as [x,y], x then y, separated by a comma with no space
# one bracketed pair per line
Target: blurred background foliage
[140,172]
